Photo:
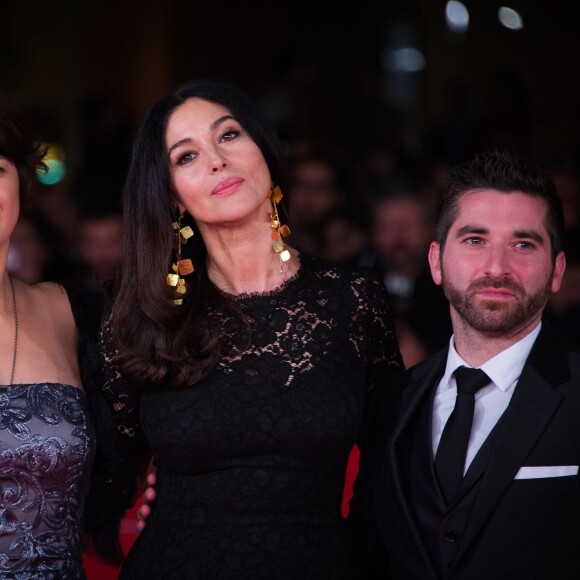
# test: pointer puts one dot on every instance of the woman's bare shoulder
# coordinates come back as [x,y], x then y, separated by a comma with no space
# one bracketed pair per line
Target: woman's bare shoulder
[51,292]
[48,300]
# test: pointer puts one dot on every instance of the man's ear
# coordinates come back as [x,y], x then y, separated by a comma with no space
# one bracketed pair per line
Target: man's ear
[435,262]
[558,274]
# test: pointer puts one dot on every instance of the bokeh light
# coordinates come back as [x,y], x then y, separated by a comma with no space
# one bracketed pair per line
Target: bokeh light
[456,16]
[510,18]
[406,59]
[55,162]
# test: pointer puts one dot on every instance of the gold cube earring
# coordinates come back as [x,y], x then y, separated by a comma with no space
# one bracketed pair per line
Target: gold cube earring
[281,231]
[179,267]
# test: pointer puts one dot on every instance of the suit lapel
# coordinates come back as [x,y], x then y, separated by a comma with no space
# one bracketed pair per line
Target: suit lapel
[533,405]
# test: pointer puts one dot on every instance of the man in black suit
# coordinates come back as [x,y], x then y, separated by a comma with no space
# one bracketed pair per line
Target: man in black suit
[474,481]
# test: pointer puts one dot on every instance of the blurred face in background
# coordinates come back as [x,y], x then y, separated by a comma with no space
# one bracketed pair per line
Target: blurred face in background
[401,235]
[314,193]
[100,245]
[343,239]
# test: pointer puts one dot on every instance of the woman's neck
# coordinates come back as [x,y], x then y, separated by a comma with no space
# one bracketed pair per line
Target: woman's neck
[244,263]
[253,272]
[6,305]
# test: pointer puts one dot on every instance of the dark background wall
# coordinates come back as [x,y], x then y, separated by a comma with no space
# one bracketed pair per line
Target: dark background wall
[86,72]
[318,67]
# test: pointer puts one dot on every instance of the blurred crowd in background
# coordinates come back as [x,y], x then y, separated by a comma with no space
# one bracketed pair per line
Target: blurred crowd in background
[373,206]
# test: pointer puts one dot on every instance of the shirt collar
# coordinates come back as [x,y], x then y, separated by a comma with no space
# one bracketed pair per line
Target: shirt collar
[503,369]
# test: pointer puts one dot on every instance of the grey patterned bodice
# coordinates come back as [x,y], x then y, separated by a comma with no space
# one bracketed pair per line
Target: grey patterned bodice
[46,454]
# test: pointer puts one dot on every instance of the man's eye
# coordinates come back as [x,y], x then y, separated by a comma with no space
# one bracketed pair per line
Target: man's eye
[474,241]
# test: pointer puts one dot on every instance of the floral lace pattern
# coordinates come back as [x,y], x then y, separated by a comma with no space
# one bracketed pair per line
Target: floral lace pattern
[46,453]
[251,460]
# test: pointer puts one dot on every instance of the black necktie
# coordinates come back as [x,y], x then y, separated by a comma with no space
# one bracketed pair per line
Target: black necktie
[450,456]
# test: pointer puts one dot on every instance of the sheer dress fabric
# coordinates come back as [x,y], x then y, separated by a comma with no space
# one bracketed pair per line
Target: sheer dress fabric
[251,460]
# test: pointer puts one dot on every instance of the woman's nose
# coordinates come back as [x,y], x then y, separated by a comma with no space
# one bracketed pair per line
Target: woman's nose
[218,164]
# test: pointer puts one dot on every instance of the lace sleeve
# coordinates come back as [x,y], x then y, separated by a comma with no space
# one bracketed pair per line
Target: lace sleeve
[384,363]
[116,472]
[122,396]
[376,330]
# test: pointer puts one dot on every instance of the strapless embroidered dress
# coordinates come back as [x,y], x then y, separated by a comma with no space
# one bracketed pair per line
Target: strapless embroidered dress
[46,454]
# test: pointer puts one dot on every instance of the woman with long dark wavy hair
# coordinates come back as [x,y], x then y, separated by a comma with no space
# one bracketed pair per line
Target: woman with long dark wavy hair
[243,365]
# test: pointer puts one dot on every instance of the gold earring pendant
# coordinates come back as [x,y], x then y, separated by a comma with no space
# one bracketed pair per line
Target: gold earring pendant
[281,231]
[179,267]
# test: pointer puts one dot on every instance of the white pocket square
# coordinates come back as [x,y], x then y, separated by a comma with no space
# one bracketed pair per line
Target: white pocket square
[542,471]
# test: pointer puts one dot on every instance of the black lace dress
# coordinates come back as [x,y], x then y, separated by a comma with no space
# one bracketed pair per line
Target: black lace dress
[251,461]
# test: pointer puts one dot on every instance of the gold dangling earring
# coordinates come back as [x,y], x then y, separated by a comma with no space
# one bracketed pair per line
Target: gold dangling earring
[180,267]
[282,231]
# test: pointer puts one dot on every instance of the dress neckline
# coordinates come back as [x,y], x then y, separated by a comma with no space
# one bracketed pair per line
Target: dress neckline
[67,386]
[268,293]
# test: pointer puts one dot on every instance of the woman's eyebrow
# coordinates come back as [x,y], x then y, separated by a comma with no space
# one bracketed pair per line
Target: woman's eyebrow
[213,126]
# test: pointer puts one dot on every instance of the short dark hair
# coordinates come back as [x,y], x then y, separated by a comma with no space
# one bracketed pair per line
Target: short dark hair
[506,172]
[19,146]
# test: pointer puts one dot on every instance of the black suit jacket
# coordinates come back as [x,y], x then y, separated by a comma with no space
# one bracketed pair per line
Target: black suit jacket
[526,529]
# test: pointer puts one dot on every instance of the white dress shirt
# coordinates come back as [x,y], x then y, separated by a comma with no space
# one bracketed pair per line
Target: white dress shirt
[504,370]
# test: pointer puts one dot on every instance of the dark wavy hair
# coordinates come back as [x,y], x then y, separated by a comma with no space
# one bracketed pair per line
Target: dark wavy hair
[20,146]
[158,343]
[506,172]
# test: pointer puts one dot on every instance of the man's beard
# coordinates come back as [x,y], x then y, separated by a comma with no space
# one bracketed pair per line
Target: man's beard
[495,316]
